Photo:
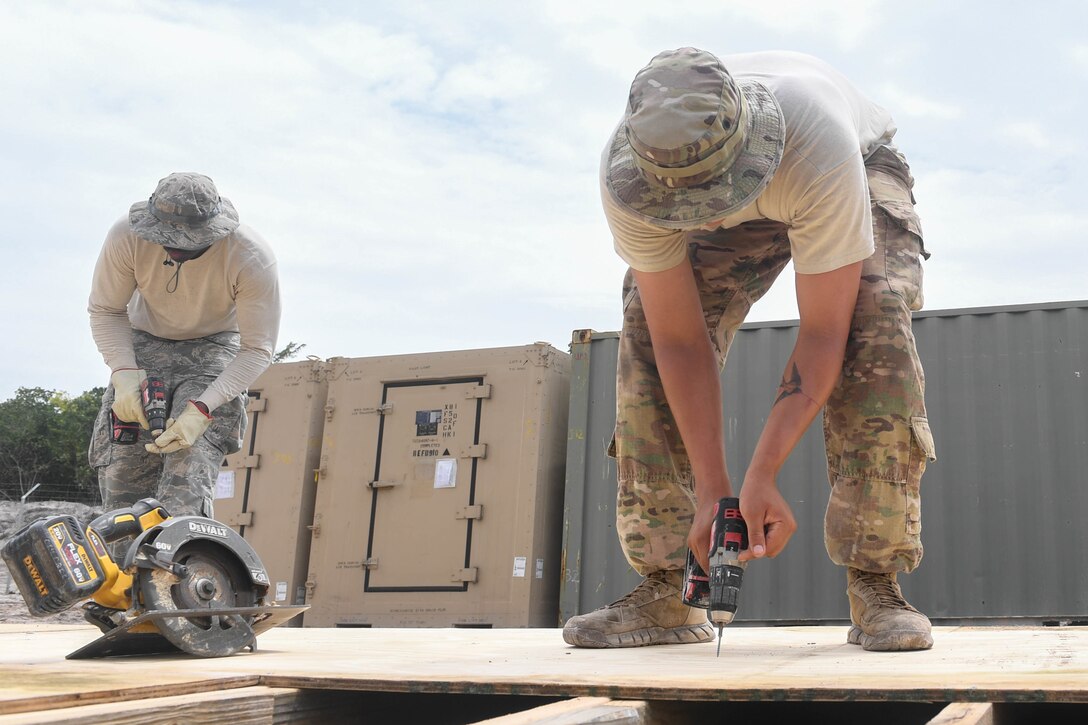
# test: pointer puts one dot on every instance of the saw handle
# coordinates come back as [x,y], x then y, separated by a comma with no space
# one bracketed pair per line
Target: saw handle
[123,523]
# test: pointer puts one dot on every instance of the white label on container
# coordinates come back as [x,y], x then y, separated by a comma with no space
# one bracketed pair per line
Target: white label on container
[539,568]
[281,591]
[445,473]
[224,485]
[519,566]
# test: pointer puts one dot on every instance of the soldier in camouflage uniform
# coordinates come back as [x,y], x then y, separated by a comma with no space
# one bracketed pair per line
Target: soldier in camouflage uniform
[713,182]
[185,292]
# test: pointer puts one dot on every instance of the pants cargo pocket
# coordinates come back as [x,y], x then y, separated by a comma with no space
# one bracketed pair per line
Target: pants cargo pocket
[228,425]
[873,519]
[100,450]
[873,525]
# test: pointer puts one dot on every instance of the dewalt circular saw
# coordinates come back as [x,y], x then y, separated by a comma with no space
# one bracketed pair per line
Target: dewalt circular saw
[185,583]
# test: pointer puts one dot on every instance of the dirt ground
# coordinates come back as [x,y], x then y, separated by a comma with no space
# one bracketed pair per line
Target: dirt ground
[14,516]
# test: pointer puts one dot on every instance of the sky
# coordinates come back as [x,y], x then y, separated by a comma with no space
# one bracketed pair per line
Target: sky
[426,172]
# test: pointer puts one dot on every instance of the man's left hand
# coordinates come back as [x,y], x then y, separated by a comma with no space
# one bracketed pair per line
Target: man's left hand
[183,432]
[768,516]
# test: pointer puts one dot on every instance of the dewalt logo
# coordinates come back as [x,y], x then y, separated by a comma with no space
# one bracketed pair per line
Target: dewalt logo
[36,575]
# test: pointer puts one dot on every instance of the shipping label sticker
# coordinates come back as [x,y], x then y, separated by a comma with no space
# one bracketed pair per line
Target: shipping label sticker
[539,568]
[445,473]
[281,591]
[224,484]
[427,422]
[519,566]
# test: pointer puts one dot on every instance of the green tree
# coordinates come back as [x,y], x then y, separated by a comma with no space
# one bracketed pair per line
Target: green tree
[44,436]
[290,350]
[25,451]
[71,437]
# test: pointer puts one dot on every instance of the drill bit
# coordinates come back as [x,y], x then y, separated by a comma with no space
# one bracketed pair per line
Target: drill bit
[719,641]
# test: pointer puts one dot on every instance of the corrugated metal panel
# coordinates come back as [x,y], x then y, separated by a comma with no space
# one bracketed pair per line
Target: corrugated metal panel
[1007,392]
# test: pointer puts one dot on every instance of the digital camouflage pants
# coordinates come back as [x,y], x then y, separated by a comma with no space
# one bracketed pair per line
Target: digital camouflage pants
[876,432]
[182,481]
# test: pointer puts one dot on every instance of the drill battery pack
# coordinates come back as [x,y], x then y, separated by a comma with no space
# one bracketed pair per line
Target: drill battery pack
[53,564]
[696,584]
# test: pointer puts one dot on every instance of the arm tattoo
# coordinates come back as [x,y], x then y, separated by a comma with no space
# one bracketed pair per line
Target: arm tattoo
[790,387]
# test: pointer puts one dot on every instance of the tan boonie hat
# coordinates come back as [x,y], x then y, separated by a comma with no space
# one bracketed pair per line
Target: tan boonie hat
[694,144]
[185,212]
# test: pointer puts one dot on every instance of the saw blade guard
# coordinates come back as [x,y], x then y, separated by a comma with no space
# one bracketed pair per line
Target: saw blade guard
[206,576]
[158,547]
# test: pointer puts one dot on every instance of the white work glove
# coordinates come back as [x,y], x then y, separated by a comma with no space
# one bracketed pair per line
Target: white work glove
[183,432]
[128,402]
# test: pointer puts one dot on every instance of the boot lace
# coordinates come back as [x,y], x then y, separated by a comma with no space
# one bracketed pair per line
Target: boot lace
[884,588]
[646,589]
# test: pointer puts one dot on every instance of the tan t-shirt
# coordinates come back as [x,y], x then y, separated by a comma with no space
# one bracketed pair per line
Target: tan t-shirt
[819,189]
[232,287]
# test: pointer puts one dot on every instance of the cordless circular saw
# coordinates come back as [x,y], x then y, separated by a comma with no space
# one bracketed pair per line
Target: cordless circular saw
[185,583]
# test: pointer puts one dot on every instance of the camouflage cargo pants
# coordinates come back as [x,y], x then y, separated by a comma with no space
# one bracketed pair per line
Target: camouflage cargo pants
[183,481]
[875,427]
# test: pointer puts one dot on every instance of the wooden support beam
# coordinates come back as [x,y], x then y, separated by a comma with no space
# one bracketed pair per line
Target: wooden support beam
[579,711]
[965,713]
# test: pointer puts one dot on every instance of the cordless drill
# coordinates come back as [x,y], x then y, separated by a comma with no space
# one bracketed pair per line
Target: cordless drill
[720,591]
[153,394]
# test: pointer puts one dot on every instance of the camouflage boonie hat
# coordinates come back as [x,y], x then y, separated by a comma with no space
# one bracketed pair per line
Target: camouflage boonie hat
[185,212]
[694,144]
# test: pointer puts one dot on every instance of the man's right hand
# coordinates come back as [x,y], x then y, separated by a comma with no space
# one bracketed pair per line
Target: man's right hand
[128,404]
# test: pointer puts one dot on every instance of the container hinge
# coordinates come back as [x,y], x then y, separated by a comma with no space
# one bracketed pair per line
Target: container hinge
[480,391]
[310,586]
[382,484]
[371,563]
[256,405]
[253,461]
[470,512]
[464,575]
[315,530]
[477,451]
[330,406]
[245,518]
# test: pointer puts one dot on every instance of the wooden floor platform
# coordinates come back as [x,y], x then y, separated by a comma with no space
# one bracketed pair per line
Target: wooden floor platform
[779,665]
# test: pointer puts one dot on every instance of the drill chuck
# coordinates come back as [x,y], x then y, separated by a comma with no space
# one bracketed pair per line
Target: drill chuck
[724,581]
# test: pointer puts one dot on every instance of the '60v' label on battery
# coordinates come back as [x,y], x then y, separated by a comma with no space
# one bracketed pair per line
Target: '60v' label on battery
[72,554]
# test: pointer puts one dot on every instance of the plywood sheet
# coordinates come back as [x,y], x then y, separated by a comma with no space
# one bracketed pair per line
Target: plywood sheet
[786,663]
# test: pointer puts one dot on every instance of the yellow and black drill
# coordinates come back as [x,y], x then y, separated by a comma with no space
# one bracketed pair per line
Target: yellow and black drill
[719,593]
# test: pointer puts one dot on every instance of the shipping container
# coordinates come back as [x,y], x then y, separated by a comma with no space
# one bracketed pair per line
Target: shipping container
[266,490]
[440,489]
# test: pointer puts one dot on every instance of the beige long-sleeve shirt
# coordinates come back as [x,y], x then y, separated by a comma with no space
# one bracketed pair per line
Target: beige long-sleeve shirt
[232,287]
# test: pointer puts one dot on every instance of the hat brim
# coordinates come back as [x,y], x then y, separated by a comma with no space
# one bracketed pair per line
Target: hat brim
[733,189]
[182,236]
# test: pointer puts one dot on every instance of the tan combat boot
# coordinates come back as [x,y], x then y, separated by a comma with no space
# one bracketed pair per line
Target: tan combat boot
[882,619]
[651,614]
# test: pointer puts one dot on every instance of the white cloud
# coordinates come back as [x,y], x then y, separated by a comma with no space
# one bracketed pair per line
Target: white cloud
[1079,54]
[1028,133]
[908,103]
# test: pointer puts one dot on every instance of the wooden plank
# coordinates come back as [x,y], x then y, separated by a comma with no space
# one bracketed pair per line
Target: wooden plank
[578,711]
[965,713]
[243,706]
[1030,664]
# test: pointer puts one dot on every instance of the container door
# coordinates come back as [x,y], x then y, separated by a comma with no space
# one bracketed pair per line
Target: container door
[424,487]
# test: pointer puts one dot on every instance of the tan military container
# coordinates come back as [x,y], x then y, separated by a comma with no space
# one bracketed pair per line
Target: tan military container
[265,491]
[440,490]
